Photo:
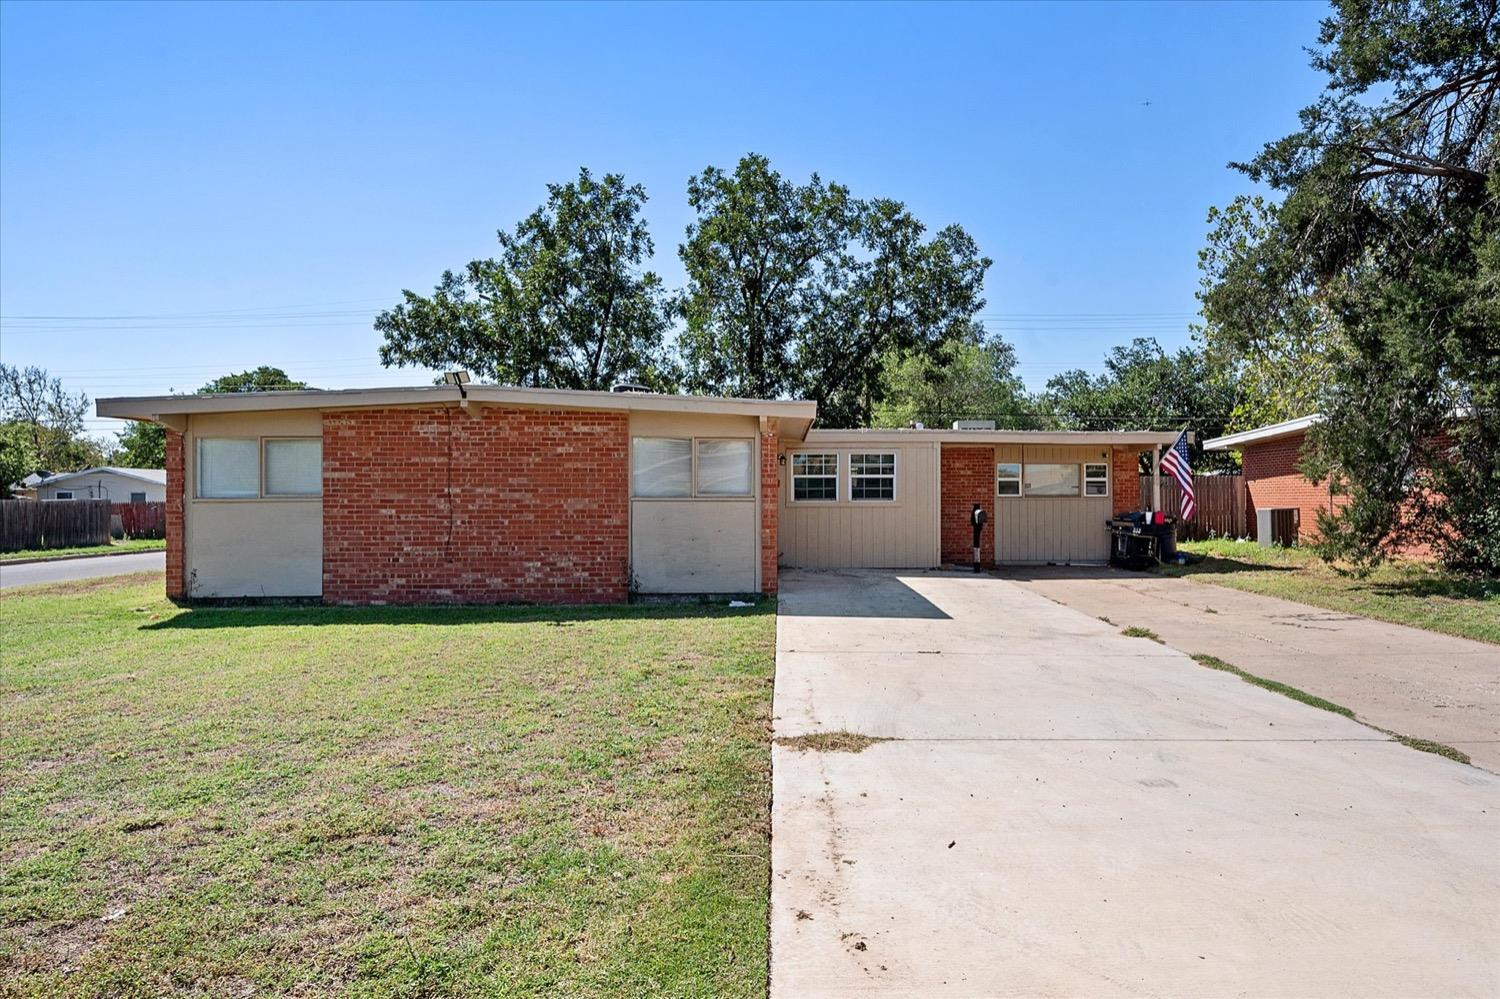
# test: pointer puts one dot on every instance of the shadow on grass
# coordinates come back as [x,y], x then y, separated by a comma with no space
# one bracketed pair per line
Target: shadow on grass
[197,617]
[1214,565]
[1424,585]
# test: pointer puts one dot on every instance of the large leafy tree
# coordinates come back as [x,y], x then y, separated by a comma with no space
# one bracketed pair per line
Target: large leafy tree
[262,379]
[566,304]
[44,428]
[803,289]
[971,379]
[1383,257]
[1143,387]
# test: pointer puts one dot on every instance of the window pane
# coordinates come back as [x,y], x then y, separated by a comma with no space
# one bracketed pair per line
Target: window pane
[815,477]
[661,466]
[294,467]
[1096,488]
[227,468]
[1008,487]
[724,468]
[1008,470]
[1096,471]
[872,476]
[137,497]
[1051,480]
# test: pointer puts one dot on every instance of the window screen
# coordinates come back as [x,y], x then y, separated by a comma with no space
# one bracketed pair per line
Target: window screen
[1051,480]
[228,468]
[872,476]
[815,477]
[661,466]
[1008,478]
[724,467]
[1096,480]
[294,467]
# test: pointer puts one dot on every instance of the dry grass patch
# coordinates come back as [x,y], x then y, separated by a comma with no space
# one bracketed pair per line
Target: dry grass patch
[830,742]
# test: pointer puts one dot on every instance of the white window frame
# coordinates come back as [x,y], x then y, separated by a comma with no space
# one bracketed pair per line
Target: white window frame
[1087,479]
[63,494]
[694,489]
[1019,479]
[895,457]
[835,476]
[135,494]
[266,493]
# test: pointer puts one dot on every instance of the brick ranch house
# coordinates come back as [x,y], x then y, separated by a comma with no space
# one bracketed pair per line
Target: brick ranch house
[488,494]
[1269,457]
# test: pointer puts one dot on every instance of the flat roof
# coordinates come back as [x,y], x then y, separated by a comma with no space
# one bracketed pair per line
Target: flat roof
[876,435]
[797,414]
[156,475]
[1270,432]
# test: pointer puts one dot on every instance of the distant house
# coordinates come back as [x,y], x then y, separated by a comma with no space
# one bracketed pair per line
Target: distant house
[118,485]
[1269,456]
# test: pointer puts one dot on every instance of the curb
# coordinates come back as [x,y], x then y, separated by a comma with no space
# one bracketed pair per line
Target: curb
[74,558]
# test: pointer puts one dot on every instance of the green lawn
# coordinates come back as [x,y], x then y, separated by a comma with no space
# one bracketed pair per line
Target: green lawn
[1411,593]
[130,545]
[381,802]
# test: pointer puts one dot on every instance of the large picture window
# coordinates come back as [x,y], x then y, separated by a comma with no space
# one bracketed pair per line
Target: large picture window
[228,468]
[1051,480]
[872,476]
[724,467]
[815,478]
[294,466]
[661,466]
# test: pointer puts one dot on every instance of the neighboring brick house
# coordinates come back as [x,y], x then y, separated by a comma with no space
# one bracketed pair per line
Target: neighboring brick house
[1269,456]
[491,494]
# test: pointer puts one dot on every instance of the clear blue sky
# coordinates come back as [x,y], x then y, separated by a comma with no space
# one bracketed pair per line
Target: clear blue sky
[259,180]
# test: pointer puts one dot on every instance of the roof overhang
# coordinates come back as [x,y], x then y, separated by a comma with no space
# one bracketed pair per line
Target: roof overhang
[124,473]
[1122,438]
[1274,431]
[795,415]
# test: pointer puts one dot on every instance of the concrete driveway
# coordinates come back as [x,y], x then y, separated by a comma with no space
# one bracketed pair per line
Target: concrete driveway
[1402,679]
[1063,811]
[68,569]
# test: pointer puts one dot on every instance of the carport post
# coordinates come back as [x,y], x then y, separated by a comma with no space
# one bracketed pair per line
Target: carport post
[1155,477]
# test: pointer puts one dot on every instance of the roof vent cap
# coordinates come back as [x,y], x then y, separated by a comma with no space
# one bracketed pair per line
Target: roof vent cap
[973,424]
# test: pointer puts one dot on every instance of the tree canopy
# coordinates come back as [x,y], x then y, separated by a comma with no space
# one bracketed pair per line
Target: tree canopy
[802,289]
[41,426]
[565,304]
[1381,264]
[971,379]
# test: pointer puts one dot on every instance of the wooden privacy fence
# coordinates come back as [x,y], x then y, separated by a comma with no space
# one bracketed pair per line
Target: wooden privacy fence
[32,524]
[1221,503]
[142,520]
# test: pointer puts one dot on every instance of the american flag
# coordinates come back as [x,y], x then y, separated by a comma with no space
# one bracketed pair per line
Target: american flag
[1175,463]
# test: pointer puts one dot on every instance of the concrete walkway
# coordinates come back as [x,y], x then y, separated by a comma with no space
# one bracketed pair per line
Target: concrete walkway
[1402,679]
[1062,811]
[66,570]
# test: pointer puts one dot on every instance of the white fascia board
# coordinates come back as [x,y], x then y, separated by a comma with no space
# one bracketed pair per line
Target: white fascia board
[1286,428]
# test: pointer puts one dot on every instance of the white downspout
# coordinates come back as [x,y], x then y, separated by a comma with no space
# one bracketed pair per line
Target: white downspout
[1156,477]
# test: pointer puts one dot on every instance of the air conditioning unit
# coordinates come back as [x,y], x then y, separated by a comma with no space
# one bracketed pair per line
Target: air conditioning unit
[973,424]
[1277,526]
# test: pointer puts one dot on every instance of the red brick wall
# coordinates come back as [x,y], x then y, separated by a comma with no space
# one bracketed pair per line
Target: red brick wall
[770,502]
[511,505]
[176,486]
[1272,480]
[1125,481]
[968,475]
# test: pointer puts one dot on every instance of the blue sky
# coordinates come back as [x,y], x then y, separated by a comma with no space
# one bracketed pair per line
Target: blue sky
[258,181]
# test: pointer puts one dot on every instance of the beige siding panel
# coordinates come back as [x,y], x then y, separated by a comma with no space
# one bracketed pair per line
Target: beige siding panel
[1041,529]
[899,535]
[252,547]
[693,545]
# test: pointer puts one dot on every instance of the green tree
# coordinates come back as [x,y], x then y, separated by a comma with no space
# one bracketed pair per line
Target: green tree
[1145,388]
[565,305]
[262,379]
[1385,252]
[47,422]
[802,289]
[968,380]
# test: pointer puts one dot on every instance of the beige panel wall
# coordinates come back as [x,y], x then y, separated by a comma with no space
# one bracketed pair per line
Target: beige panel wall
[903,534]
[106,485]
[701,544]
[1039,529]
[251,547]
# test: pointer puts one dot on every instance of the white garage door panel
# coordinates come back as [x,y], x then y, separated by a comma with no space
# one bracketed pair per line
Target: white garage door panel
[693,546]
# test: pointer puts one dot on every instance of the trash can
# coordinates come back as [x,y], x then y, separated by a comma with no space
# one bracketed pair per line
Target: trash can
[1140,539]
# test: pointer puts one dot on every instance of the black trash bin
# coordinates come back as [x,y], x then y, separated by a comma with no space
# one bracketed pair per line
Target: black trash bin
[1138,543]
